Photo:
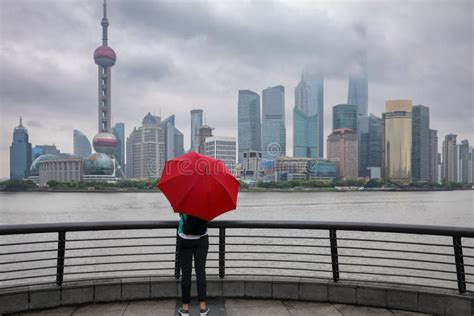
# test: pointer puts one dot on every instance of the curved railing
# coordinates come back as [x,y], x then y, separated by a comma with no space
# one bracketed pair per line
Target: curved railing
[438,257]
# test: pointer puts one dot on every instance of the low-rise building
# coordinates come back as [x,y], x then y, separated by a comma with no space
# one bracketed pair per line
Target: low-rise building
[223,148]
[302,168]
[61,170]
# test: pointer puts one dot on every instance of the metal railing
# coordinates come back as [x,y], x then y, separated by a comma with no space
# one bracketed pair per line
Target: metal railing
[431,256]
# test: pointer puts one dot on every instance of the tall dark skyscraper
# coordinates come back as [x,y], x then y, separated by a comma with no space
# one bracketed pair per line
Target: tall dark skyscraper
[463,161]
[420,153]
[20,153]
[249,123]
[375,142]
[433,155]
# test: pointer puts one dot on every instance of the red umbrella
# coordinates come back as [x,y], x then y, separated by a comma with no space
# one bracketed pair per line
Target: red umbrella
[199,185]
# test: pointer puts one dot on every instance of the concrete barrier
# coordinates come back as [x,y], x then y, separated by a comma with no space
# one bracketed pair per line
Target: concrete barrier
[414,299]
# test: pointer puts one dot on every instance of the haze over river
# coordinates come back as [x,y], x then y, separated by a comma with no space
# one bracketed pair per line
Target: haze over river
[453,208]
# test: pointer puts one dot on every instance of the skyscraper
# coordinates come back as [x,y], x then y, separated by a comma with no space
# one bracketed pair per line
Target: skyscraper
[273,122]
[249,123]
[20,153]
[375,142]
[316,84]
[146,149]
[306,133]
[450,158]
[463,161]
[420,153]
[196,123]
[342,149]
[81,144]
[173,138]
[344,116]
[204,132]
[104,57]
[358,91]
[397,135]
[433,156]
[119,132]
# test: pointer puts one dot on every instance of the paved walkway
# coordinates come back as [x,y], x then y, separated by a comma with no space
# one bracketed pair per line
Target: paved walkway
[224,307]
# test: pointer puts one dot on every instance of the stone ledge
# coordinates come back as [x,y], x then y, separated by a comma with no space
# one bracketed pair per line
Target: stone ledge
[415,299]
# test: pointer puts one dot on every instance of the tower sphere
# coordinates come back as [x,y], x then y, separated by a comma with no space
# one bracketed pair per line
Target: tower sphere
[104,56]
[105,143]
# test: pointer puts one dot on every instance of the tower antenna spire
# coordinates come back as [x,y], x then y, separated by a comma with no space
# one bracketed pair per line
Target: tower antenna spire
[105,25]
[21,120]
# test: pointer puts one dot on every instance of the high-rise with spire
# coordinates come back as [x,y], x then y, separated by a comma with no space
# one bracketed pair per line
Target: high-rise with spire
[306,113]
[104,57]
[20,153]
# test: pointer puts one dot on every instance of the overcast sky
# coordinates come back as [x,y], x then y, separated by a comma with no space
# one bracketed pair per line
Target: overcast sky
[173,56]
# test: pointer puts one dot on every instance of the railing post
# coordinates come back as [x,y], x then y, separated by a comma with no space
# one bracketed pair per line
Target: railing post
[459,264]
[221,252]
[334,257]
[176,259]
[60,263]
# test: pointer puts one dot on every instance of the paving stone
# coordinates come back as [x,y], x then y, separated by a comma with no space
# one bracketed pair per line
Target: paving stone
[351,310]
[60,311]
[102,309]
[311,309]
[255,307]
[216,306]
[405,313]
[151,308]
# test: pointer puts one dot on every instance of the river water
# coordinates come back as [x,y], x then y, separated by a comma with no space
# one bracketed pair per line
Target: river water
[452,208]
[310,256]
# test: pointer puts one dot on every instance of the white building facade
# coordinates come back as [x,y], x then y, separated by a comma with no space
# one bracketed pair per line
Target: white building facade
[223,148]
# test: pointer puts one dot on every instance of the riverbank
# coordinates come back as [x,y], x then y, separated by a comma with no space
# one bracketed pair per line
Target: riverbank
[249,189]
[128,186]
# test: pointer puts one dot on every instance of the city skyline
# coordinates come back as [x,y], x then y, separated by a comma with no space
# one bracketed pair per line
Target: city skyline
[48,108]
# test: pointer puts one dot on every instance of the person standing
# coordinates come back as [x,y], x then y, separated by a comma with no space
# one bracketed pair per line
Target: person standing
[193,241]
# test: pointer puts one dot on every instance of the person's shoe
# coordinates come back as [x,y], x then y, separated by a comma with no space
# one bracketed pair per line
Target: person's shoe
[204,312]
[183,312]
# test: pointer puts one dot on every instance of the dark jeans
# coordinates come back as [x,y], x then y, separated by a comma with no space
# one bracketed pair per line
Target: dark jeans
[186,249]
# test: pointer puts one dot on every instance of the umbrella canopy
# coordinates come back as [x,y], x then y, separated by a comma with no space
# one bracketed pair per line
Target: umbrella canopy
[199,185]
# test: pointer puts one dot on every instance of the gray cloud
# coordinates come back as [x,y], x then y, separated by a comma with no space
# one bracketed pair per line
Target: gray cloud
[175,56]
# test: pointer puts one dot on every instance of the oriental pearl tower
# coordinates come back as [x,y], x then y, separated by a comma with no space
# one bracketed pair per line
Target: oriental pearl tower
[104,56]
